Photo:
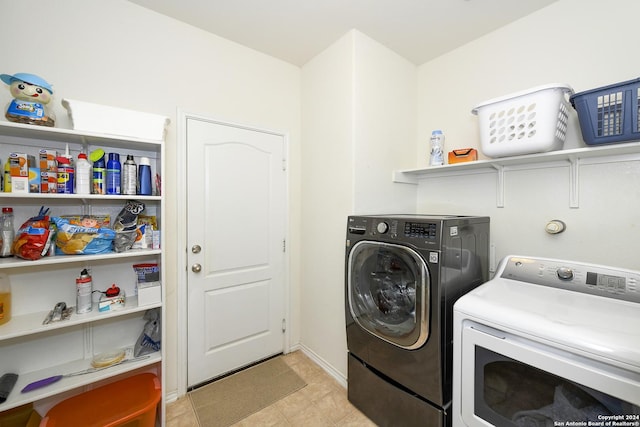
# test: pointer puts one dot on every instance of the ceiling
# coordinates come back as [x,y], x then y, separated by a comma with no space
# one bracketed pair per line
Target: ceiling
[297,30]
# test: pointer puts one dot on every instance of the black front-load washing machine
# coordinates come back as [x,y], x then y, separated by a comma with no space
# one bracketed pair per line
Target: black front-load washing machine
[403,275]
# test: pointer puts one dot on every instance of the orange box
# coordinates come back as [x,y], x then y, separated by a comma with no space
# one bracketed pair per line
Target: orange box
[463,155]
[48,160]
[19,164]
[48,182]
[131,401]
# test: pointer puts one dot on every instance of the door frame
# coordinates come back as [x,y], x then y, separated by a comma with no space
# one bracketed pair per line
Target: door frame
[181,247]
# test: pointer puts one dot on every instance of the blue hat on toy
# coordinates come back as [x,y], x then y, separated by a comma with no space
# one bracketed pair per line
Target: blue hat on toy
[27,78]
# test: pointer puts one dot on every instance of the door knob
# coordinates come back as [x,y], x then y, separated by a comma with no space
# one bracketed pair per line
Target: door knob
[196,249]
[196,268]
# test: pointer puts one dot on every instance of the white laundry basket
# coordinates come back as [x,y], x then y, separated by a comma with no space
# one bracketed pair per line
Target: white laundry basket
[526,122]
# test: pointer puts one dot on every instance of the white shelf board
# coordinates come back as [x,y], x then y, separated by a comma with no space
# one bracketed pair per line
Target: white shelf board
[60,196]
[17,398]
[602,153]
[15,262]
[44,133]
[28,324]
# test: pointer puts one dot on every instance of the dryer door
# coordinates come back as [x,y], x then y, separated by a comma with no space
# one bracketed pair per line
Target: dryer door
[388,292]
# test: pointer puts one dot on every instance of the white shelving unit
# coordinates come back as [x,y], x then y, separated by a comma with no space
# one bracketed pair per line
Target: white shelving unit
[35,351]
[574,158]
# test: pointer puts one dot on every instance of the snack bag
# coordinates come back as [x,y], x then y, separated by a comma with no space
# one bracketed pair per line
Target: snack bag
[126,225]
[34,237]
[150,338]
[74,239]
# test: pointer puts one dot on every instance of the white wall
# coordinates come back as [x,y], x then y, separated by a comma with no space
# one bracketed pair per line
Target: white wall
[359,111]
[385,125]
[327,186]
[117,53]
[586,44]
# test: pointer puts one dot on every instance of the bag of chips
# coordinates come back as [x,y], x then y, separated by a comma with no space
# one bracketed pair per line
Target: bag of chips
[34,237]
[72,239]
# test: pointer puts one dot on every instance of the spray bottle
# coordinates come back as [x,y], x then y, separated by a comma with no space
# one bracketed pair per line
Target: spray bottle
[84,289]
[7,177]
[66,179]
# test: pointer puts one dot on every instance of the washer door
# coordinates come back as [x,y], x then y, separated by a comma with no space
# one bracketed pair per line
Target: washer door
[388,292]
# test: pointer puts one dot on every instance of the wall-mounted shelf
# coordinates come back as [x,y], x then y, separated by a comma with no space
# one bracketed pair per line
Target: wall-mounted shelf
[573,158]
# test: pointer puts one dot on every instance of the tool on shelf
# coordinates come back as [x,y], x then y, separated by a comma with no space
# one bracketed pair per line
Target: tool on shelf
[7,381]
[50,380]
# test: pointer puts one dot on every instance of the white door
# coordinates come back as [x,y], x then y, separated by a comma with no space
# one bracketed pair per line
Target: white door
[236,213]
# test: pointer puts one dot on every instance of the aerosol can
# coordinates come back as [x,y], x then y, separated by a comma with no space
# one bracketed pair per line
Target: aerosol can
[84,289]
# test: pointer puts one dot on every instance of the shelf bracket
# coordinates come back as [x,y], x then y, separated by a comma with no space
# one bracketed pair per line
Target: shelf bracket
[499,185]
[574,182]
[403,178]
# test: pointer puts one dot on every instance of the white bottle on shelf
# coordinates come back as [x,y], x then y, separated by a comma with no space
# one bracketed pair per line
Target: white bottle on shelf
[437,148]
[84,175]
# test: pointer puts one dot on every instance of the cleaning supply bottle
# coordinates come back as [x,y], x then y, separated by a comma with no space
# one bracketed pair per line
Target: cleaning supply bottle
[83,175]
[144,177]
[7,233]
[7,177]
[113,174]
[129,176]
[437,148]
[5,298]
[99,171]
[84,289]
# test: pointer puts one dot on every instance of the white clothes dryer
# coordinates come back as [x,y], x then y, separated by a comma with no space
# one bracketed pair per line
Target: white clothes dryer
[548,343]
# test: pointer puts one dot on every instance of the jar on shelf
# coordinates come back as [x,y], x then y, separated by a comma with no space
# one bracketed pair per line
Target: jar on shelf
[7,232]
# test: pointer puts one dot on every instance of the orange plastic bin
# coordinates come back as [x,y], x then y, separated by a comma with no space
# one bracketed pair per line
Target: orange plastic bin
[131,402]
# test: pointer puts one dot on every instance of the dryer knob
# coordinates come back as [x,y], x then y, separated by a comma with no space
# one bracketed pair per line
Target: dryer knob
[383,227]
[564,273]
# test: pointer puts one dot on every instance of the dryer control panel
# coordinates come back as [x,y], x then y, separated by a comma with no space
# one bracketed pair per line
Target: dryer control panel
[574,276]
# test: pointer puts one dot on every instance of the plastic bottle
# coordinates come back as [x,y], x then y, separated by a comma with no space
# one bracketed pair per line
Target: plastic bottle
[7,232]
[129,176]
[83,175]
[84,289]
[7,177]
[5,298]
[437,148]
[144,177]
[99,172]
[113,174]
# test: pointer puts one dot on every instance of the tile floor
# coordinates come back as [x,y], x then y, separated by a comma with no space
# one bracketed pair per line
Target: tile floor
[322,403]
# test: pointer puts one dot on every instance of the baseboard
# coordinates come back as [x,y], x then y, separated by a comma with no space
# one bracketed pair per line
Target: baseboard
[327,367]
[171,397]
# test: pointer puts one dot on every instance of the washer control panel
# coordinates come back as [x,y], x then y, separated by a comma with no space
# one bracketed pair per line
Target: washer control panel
[422,230]
[394,228]
[574,276]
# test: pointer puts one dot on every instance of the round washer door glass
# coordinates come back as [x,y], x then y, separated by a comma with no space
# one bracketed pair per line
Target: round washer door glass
[388,291]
